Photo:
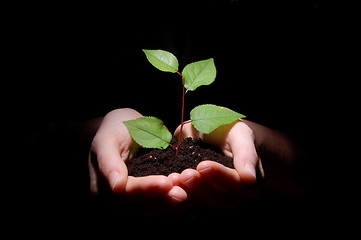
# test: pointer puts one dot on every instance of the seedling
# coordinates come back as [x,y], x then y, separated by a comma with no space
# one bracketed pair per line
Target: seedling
[150,132]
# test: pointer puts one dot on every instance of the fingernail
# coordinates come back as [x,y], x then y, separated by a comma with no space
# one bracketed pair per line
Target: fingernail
[205,169]
[113,179]
[177,199]
[250,168]
[189,180]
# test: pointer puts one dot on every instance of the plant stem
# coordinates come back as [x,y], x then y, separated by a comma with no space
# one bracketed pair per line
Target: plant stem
[182,115]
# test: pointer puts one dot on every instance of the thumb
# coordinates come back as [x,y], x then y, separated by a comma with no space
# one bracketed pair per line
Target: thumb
[112,167]
[187,131]
[245,155]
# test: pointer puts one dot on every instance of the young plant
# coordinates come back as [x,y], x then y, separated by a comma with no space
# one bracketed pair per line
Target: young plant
[150,132]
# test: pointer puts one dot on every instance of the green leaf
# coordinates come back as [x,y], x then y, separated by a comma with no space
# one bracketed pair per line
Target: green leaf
[199,73]
[149,132]
[163,60]
[206,118]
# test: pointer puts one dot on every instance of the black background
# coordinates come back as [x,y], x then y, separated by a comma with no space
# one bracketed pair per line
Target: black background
[284,64]
[271,57]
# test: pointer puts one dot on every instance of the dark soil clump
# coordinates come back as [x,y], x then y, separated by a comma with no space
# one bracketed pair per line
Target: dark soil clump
[163,162]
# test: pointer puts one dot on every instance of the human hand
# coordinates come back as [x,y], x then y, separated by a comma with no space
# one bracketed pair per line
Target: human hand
[111,147]
[214,184]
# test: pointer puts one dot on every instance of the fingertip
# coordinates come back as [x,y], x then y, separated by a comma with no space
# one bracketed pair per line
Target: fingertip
[205,167]
[150,184]
[117,181]
[189,176]
[213,172]
[175,178]
[245,166]
[211,168]
[164,183]
[177,195]
[248,174]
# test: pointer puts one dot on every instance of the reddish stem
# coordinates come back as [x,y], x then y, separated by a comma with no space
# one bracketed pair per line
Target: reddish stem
[182,116]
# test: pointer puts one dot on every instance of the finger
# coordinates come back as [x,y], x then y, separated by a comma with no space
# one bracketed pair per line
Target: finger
[190,180]
[149,186]
[175,178]
[112,166]
[201,191]
[245,159]
[197,189]
[177,195]
[218,175]
[187,131]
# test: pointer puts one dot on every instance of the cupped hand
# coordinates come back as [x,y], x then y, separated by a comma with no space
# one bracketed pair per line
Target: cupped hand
[214,184]
[111,147]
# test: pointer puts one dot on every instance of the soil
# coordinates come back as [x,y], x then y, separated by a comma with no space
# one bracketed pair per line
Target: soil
[163,162]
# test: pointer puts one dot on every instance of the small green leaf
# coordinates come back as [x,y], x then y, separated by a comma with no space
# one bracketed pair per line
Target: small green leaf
[206,118]
[199,73]
[149,132]
[163,60]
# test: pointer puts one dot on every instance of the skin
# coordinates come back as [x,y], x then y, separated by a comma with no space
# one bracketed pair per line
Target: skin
[215,185]
[111,147]
[211,183]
